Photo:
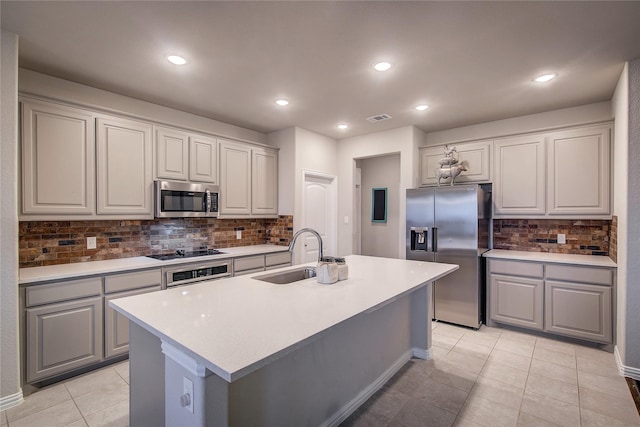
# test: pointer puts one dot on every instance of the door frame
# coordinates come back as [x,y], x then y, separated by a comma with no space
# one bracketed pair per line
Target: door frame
[333,209]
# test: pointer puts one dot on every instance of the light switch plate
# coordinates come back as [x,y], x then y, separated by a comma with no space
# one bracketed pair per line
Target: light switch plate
[562,239]
[238,234]
[91,242]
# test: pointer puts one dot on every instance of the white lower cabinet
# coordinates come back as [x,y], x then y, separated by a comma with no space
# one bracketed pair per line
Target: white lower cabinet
[116,326]
[69,324]
[563,299]
[63,337]
[517,301]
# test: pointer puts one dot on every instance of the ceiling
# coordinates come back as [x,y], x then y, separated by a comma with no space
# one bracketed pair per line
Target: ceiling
[471,62]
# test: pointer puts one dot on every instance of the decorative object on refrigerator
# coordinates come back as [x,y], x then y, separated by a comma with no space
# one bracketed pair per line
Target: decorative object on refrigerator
[452,225]
[449,166]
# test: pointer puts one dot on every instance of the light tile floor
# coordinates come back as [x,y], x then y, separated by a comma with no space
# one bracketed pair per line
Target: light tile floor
[491,377]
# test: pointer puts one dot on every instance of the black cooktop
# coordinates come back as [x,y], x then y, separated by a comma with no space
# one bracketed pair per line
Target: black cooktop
[182,254]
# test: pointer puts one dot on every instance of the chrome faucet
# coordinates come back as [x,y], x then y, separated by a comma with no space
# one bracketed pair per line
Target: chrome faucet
[312,231]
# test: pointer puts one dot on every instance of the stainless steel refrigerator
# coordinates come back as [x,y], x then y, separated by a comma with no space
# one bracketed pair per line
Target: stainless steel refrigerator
[452,224]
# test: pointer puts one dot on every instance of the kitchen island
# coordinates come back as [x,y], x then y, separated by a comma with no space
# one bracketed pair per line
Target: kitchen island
[249,352]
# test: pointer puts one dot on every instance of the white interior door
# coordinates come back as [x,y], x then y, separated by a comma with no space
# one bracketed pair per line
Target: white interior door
[320,210]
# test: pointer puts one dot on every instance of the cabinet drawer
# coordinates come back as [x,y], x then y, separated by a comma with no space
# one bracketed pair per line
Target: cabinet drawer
[278,258]
[63,291]
[248,263]
[128,281]
[516,268]
[598,276]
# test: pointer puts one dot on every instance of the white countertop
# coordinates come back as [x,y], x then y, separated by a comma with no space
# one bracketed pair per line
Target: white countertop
[590,260]
[79,269]
[235,326]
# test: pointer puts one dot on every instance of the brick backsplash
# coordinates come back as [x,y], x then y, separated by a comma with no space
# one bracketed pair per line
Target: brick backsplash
[584,237]
[613,239]
[64,242]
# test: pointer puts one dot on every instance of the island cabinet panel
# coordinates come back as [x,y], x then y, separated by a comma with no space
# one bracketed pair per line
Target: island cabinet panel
[519,176]
[235,179]
[579,171]
[475,155]
[203,159]
[578,310]
[517,301]
[172,154]
[264,182]
[124,167]
[58,155]
[63,337]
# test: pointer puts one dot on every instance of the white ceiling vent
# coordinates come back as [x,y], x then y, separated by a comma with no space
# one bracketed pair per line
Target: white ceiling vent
[378,118]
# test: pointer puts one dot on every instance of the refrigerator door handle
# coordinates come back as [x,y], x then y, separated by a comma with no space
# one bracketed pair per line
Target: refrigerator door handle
[434,239]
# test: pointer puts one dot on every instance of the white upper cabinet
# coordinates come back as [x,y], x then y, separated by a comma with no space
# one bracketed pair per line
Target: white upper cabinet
[184,156]
[172,154]
[264,178]
[475,155]
[124,167]
[248,180]
[235,179]
[519,176]
[579,171]
[203,159]
[58,175]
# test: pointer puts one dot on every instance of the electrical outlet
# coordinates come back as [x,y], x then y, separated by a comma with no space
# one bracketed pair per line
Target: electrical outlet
[91,242]
[238,234]
[562,239]
[186,400]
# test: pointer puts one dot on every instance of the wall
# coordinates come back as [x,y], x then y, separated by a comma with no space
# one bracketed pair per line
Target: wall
[403,141]
[620,110]
[534,122]
[380,172]
[10,391]
[632,246]
[584,237]
[64,242]
[301,150]
[44,85]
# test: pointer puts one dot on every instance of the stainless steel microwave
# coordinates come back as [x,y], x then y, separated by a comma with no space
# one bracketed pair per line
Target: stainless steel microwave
[184,199]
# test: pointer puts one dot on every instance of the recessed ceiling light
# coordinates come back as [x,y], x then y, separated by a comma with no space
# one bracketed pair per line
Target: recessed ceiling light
[422,107]
[175,59]
[545,78]
[343,126]
[382,66]
[282,102]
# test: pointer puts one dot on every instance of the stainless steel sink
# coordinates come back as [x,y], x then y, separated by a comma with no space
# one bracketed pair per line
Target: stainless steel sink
[289,276]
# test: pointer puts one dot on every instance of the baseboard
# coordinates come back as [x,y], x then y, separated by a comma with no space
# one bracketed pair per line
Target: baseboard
[10,401]
[421,353]
[344,412]
[626,371]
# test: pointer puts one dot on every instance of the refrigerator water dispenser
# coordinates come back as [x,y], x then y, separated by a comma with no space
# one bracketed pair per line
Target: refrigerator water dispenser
[419,238]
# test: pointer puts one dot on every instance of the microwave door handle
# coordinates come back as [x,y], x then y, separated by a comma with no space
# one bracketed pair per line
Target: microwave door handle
[208,200]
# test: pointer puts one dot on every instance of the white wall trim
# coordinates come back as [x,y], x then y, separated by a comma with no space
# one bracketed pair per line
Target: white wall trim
[344,412]
[11,400]
[626,371]
[422,353]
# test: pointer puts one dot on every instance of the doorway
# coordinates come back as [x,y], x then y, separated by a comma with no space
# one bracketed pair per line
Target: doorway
[319,211]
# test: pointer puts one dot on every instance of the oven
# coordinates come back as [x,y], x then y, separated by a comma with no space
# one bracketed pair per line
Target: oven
[179,275]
